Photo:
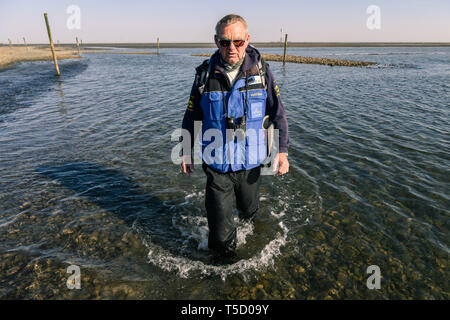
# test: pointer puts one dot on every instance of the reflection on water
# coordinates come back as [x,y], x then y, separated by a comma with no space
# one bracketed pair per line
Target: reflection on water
[86,179]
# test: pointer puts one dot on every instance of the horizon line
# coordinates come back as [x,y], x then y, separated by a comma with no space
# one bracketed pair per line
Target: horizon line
[256,42]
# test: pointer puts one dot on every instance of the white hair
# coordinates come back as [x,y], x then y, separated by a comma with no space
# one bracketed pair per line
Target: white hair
[230,19]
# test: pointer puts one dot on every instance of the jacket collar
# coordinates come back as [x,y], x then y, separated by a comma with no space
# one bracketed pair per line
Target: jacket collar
[252,57]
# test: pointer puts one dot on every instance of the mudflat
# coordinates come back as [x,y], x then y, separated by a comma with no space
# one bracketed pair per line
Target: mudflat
[308,60]
[9,56]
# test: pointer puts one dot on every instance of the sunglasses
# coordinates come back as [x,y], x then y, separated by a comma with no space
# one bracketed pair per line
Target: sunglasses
[226,43]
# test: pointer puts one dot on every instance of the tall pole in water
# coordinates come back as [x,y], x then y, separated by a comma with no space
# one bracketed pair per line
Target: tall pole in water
[285,49]
[51,45]
[78,47]
[157,45]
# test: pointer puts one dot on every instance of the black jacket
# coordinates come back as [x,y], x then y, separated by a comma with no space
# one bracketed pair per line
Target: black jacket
[274,107]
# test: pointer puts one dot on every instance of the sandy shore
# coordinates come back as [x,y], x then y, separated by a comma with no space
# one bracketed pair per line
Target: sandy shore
[9,56]
[310,60]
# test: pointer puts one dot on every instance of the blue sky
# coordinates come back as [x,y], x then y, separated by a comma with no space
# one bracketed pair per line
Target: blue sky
[194,21]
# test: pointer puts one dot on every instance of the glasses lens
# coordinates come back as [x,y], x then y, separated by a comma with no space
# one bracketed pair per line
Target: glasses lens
[226,43]
[238,43]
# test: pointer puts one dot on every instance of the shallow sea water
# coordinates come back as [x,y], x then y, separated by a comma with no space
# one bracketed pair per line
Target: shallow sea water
[86,179]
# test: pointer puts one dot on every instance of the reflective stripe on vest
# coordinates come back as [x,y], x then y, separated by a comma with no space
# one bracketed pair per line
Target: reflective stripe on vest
[228,150]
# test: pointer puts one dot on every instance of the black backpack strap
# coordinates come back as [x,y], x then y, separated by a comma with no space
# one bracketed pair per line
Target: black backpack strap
[262,72]
[205,69]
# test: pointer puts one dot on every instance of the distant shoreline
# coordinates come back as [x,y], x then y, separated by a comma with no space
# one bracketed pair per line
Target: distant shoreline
[259,45]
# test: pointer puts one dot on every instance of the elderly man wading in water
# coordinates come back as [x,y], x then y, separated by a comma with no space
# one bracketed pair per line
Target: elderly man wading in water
[233,92]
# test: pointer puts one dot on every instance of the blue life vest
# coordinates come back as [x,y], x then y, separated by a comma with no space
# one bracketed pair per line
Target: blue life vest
[233,150]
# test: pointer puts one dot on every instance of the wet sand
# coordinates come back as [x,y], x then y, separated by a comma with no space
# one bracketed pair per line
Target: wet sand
[9,56]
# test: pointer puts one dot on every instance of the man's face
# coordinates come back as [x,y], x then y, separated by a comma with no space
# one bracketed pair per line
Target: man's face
[229,50]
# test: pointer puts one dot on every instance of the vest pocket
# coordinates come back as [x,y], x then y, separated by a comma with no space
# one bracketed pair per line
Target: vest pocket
[256,110]
[216,109]
[255,143]
[256,104]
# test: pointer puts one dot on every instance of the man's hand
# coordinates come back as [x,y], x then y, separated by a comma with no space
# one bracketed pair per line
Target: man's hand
[281,164]
[186,165]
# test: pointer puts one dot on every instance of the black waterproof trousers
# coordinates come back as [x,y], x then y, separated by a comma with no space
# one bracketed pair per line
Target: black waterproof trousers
[220,190]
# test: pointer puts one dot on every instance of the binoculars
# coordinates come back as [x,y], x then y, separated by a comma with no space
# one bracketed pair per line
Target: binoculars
[239,123]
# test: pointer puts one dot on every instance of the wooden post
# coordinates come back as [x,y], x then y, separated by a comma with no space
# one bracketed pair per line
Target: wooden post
[157,45]
[25,43]
[51,45]
[285,49]
[78,47]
